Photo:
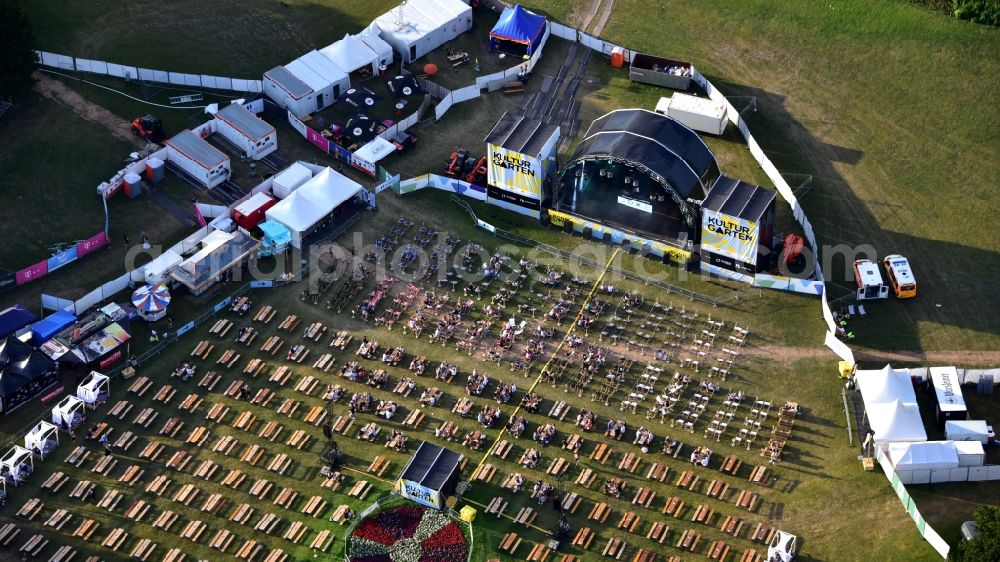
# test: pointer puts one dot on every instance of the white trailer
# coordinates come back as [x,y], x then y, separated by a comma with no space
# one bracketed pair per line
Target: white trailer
[969,430]
[698,114]
[199,159]
[948,392]
[249,133]
[869,279]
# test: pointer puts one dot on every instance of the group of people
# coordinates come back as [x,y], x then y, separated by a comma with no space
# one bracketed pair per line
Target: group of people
[531,402]
[185,370]
[393,356]
[419,365]
[531,458]
[430,396]
[488,416]
[541,491]
[585,419]
[360,402]
[445,371]
[386,409]
[368,348]
[643,437]
[476,383]
[516,425]
[614,487]
[504,392]
[616,429]
[700,456]
[544,433]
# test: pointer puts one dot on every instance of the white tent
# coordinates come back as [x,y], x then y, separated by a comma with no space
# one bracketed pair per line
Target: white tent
[375,150]
[350,54]
[931,455]
[312,203]
[95,389]
[157,271]
[895,421]
[18,464]
[382,50]
[289,180]
[417,27]
[45,436]
[69,410]
[322,76]
[885,385]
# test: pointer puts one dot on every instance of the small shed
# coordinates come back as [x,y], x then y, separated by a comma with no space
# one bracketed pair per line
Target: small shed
[370,35]
[417,27]
[17,465]
[250,213]
[289,91]
[206,164]
[276,238]
[94,390]
[44,437]
[251,134]
[324,77]
[431,476]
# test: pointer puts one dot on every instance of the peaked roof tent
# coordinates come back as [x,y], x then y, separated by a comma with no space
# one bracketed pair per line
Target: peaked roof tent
[519,25]
[14,318]
[288,82]
[349,53]
[738,198]
[520,134]
[197,149]
[431,466]
[244,121]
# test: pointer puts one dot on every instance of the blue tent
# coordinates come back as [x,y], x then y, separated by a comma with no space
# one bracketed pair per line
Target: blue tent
[518,31]
[43,330]
[14,318]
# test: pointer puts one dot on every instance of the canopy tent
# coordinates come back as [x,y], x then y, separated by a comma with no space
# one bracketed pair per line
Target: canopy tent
[885,385]
[375,150]
[930,455]
[44,437]
[970,453]
[14,318]
[94,389]
[13,349]
[403,85]
[431,475]
[69,412]
[25,373]
[351,54]
[17,465]
[370,35]
[417,27]
[101,344]
[518,31]
[894,422]
[49,326]
[312,203]
[157,271]
[151,301]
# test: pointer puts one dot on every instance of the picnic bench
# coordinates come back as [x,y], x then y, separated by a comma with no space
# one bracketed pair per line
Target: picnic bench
[187,494]
[225,444]
[206,470]
[628,522]
[64,553]
[8,533]
[644,496]
[360,489]
[689,540]
[510,542]
[34,545]
[298,439]
[217,412]
[314,507]
[731,464]
[190,403]
[265,314]
[752,555]
[760,475]
[601,453]
[165,394]
[140,385]
[322,541]
[272,345]
[732,526]
[763,533]
[497,506]
[244,420]
[289,323]
[253,455]
[288,407]
[229,358]
[255,367]
[138,510]
[115,539]
[717,489]
[378,465]
[221,327]
[260,488]
[557,467]
[86,529]
[687,480]
[702,514]
[746,500]
[110,500]
[222,539]
[341,340]
[209,380]
[559,410]
[658,532]
[340,514]
[171,427]
[413,419]
[132,475]
[250,550]
[267,523]
[614,549]
[242,513]
[105,465]
[165,520]
[82,491]
[307,384]
[644,555]
[586,478]
[202,350]
[214,503]
[539,553]
[280,464]
[146,417]
[584,537]
[599,512]
[193,530]
[513,87]
[719,550]
[629,463]
[285,497]
[296,531]
[234,478]
[280,375]
[314,331]
[159,485]
[58,519]
[674,507]
[55,481]
[179,460]
[198,436]
[120,409]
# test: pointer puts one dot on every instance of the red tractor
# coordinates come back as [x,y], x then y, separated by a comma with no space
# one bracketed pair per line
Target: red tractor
[456,165]
[478,173]
[148,127]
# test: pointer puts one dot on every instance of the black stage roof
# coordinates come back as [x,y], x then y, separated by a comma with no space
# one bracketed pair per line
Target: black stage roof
[431,466]
[516,133]
[738,198]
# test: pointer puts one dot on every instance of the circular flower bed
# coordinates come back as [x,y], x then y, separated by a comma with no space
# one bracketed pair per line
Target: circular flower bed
[407,533]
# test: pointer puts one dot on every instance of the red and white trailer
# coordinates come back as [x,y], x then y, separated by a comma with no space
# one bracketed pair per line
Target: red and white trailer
[250,213]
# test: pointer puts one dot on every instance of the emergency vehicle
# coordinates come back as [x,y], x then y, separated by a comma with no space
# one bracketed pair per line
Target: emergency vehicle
[897,268]
[870,284]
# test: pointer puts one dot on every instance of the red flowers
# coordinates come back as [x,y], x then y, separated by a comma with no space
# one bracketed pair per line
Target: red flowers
[393,535]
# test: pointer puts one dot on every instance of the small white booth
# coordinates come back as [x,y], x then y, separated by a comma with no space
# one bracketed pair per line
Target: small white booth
[94,390]
[699,114]
[17,465]
[969,430]
[948,392]
[158,270]
[970,453]
[255,137]
[69,411]
[382,49]
[313,204]
[44,437]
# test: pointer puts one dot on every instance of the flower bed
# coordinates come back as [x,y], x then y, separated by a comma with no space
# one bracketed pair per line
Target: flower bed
[408,533]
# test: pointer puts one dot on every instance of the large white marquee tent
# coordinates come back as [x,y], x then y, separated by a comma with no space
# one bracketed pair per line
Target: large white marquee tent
[351,53]
[312,203]
[891,406]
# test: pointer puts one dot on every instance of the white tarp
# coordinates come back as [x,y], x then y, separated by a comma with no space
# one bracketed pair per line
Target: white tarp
[157,270]
[289,180]
[375,150]
[885,385]
[96,389]
[350,54]
[895,421]
[44,436]
[931,455]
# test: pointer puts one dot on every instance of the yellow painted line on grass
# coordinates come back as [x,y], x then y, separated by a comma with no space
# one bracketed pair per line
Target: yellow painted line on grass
[555,353]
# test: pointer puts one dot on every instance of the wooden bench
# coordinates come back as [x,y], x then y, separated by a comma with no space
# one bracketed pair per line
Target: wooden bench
[414,419]
[526,516]
[179,460]
[614,549]
[280,375]
[702,514]
[222,539]
[115,539]
[760,475]
[299,439]
[125,441]
[599,512]
[165,394]
[250,550]
[242,513]
[317,414]
[206,470]
[158,486]
[731,464]
[369,432]
[628,522]
[171,427]
[132,475]
[570,502]
[82,491]
[253,455]
[265,314]
[559,410]
[689,540]
[110,500]
[233,390]
[58,519]
[341,340]
[732,526]
[644,496]
[272,345]
[324,363]
[254,367]
[717,489]
[77,456]
[234,478]
[260,488]
[190,403]
[674,507]
[762,533]
[225,444]
[583,538]
[360,489]
[193,530]
[209,380]
[510,542]
[267,523]
[586,478]
[658,472]
[120,409]
[558,467]
[502,449]
[322,541]
[285,497]
[152,451]
[198,436]
[34,545]
[202,350]
[140,385]
[314,331]
[497,506]
[143,549]
[146,417]
[187,494]
[230,356]
[138,510]
[221,327]
[270,430]
[658,532]
[644,555]
[719,550]
[244,420]
[378,465]
[687,480]
[629,463]
[8,533]
[65,553]
[340,514]
[601,453]
[289,323]
[214,503]
[280,464]
[752,555]
[55,481]
[217,412]
[746,500]
[484,473]
[288,407]
[86,529]
[315,506]
[165,520]
[539,553]
[296,531]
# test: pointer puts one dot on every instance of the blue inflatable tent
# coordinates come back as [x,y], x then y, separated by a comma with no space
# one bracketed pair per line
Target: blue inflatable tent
[43,330]
[14,318]
[518,32]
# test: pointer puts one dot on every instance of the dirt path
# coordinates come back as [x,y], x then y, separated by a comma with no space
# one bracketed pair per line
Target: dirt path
[59,93]
[599,9]
[961,358]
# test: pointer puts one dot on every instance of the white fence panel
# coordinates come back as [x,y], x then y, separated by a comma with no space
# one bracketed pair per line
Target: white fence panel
[87,301]
[207,81]
[483,81]
[465,94]
[84,65]
[161,76]
[960,474]
[256,86]
[241,85]
[442,107]
[935,540]
[993,472]
[175,78]
[147,74]
[193,80]
[561,31]
[122,71]
[979,473]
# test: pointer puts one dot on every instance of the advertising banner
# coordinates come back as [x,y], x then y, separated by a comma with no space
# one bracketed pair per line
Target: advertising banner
[319,140]
[298,125]
[514,172]
[32,272]
[84,247]
[414,491]
[730,237]
[512,197]
[7,281]
[62,258]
